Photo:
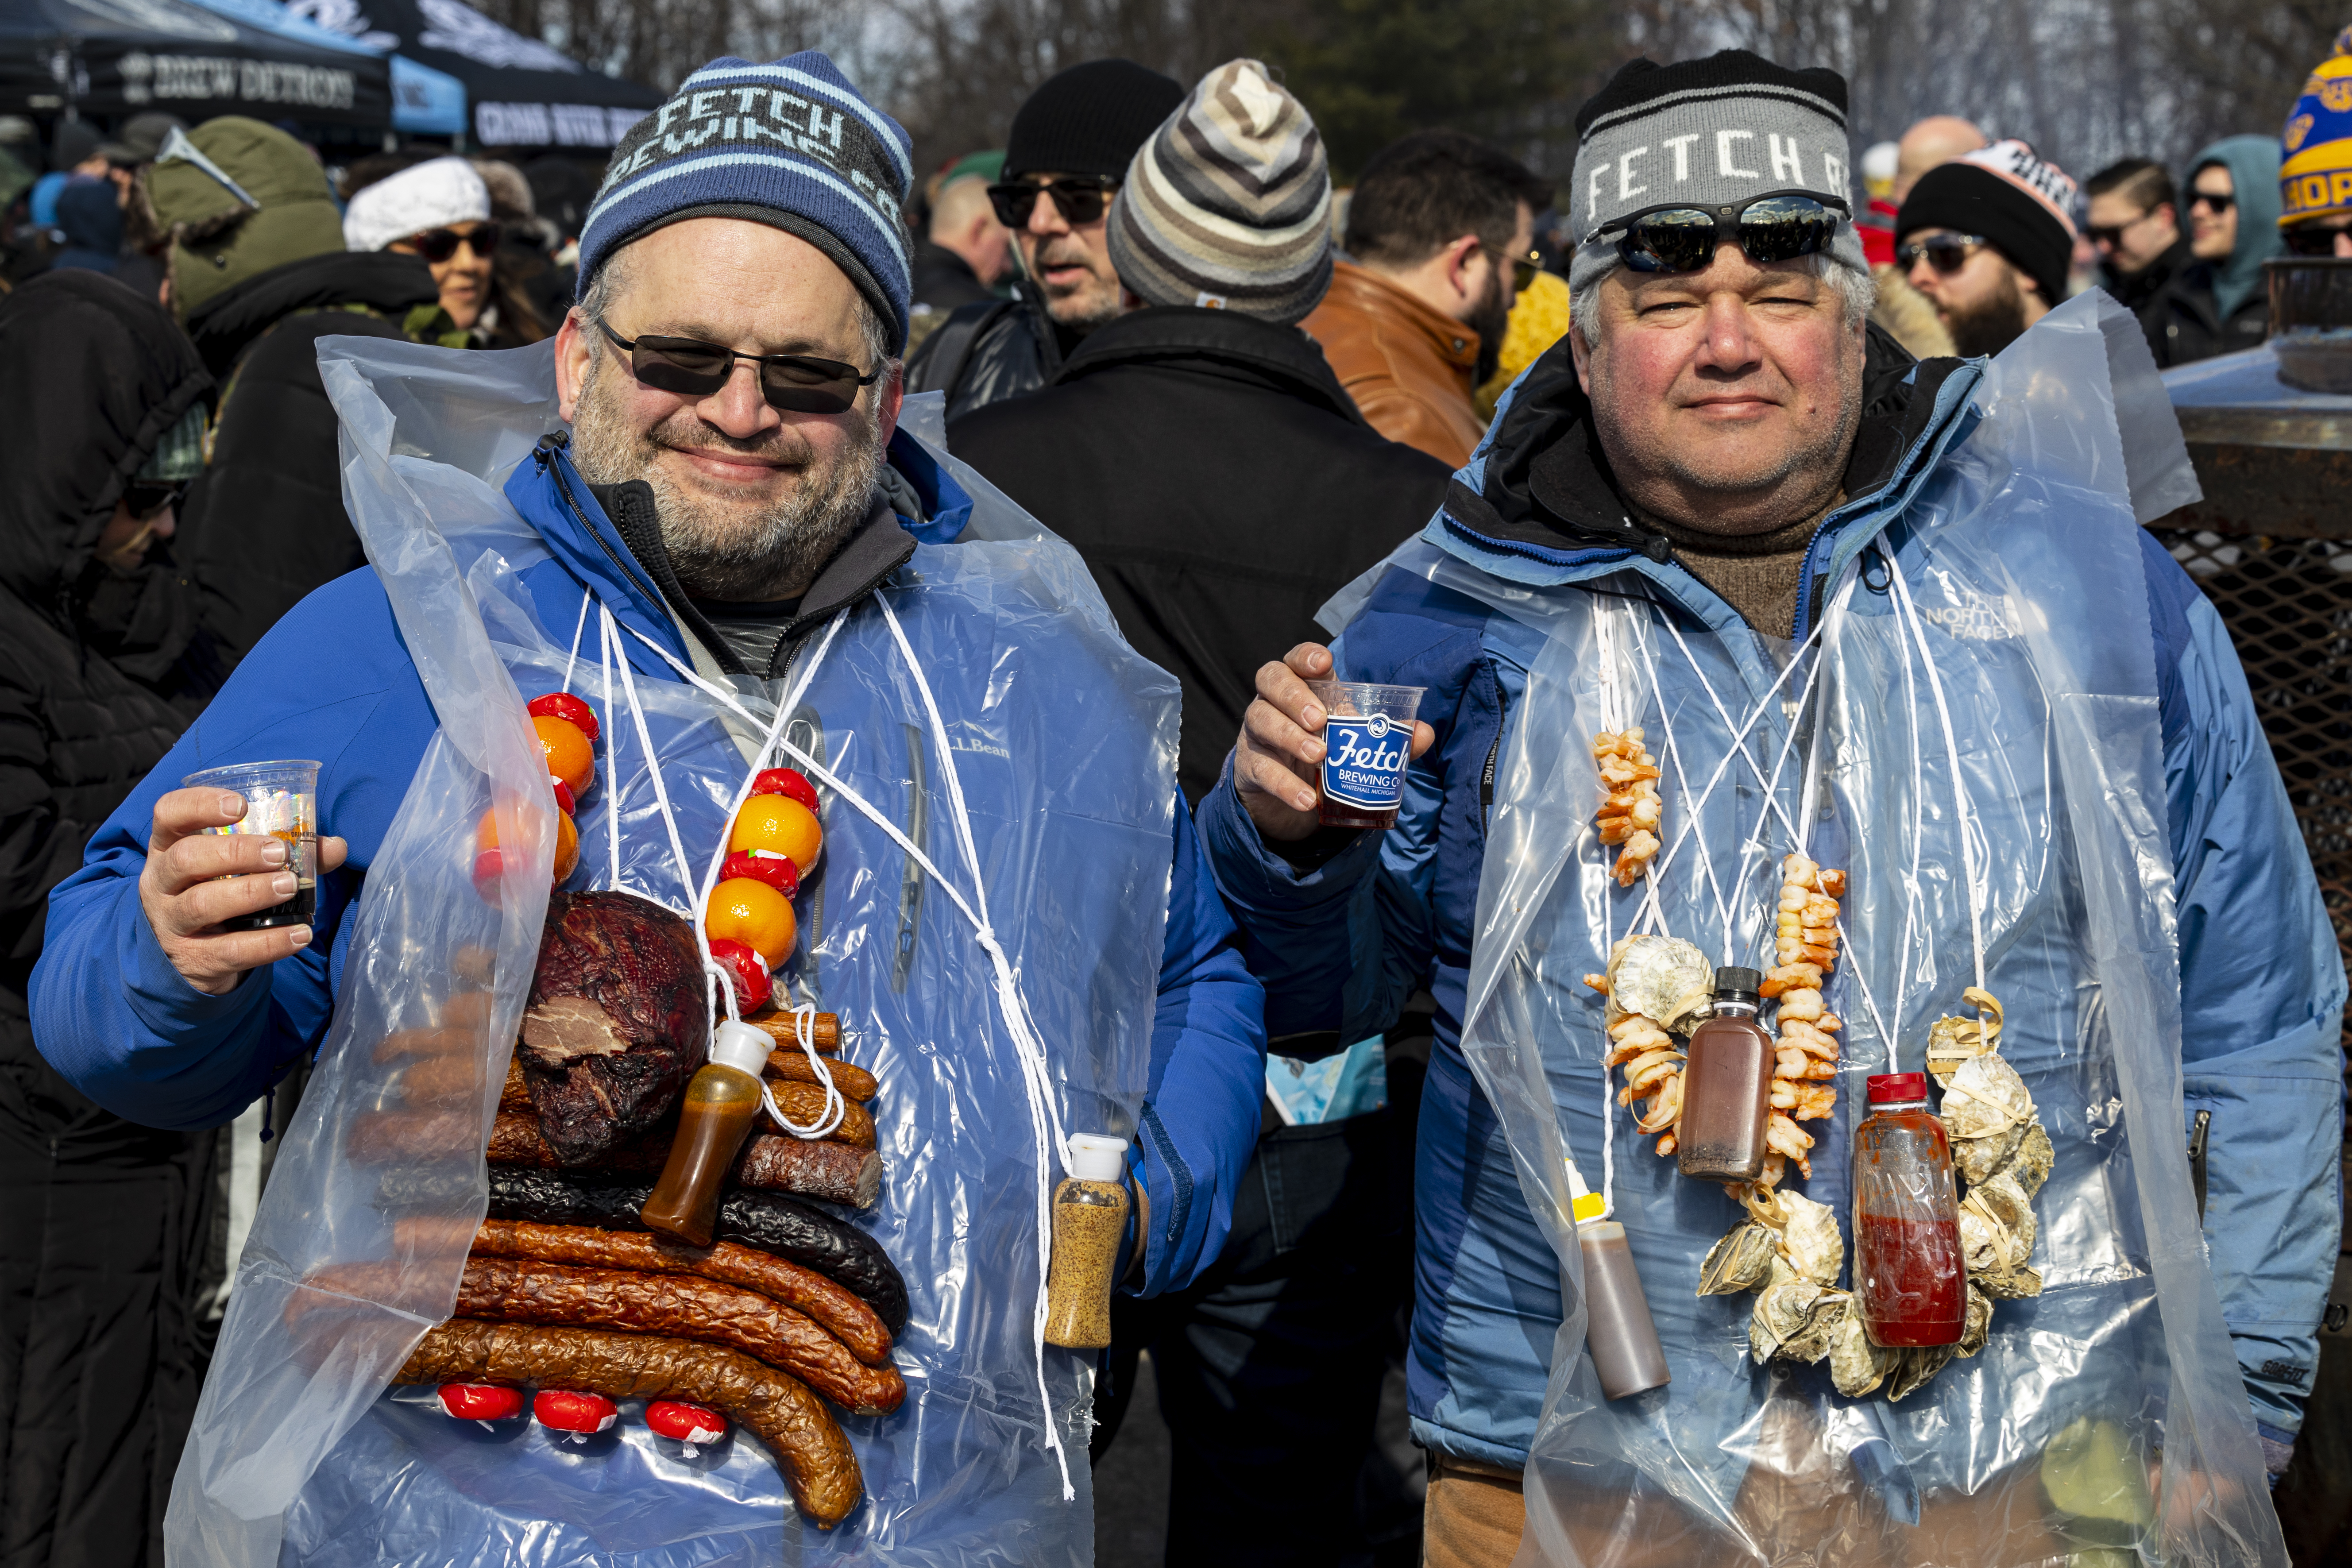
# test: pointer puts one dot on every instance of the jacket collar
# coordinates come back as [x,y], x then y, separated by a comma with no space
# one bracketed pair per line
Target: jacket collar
[383,282]
[1537,503]
[1353,288]
[1217,342]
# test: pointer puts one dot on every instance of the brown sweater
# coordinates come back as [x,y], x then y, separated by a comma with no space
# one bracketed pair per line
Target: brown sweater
[1757,574]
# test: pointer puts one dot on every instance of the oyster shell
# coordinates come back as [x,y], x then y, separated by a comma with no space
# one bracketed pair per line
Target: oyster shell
[2016,1285]
[1856,1366]
[1977,1159]
[2034,1155]
[1977,1328]
[1812,1341]
[1783,1310]
[2004,1202]
[1985,1097]
[1914,1368]
[1810,1240]
[1664,978]
[1952,1041]
[1742,1260]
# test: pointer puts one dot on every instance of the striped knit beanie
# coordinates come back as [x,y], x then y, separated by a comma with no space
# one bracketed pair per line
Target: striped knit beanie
[1229,204]
[790,145]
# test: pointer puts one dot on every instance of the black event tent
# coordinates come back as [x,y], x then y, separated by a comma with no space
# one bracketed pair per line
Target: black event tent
[520,92]
[112,58]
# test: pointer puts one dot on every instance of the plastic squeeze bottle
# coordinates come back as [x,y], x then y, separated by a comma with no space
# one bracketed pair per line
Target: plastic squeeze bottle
[1623,1341]
[1727,1086]
[1089,1222]
[1907,1277]
[714,1115]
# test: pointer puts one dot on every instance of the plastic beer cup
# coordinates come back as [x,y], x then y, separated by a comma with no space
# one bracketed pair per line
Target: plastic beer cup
[1367,740]
[281,799]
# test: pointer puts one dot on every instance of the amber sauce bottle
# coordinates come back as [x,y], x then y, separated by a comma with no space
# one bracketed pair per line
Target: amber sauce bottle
[715,1116]
[1727,1086]
[1907,1277]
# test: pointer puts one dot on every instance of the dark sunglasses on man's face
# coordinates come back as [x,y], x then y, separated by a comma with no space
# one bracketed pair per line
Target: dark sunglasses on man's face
[2216,205]
[1524,268]
[1947,253]
[1081,199]
[1769,228]
[2309,240]
[438,245]
[796,383]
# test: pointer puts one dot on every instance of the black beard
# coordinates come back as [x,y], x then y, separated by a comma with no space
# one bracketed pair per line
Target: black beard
[1491,320]
[1993,324]
[723,552]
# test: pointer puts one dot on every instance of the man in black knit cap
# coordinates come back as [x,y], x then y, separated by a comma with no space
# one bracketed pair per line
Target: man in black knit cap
[1988,238]
[1062,164]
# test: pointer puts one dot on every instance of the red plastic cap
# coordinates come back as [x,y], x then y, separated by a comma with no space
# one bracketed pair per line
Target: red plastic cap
[1897,1085]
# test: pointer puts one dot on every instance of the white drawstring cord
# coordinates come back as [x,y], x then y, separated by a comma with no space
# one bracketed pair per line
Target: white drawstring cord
[579,626]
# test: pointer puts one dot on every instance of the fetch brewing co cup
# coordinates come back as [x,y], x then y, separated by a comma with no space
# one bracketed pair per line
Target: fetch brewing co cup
[1367,740]
[281,799]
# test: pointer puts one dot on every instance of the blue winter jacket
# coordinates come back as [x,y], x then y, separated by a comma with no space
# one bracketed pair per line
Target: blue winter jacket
[333,680]
[1342,931]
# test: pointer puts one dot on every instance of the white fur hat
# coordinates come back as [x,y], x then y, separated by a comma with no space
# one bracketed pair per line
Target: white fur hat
[444,191]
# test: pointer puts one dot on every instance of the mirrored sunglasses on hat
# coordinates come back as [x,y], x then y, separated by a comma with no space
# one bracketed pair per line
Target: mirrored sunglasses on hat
[796,383]
[1677,238]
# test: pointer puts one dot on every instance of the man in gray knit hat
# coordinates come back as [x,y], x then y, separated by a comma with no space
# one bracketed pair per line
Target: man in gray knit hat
[1204,459]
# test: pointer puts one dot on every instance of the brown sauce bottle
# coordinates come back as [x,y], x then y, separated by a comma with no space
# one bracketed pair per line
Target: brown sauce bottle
[714,1115]
[1727,1086]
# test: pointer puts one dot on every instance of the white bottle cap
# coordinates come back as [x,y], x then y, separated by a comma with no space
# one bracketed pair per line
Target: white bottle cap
[1094,1158]
[741,1046]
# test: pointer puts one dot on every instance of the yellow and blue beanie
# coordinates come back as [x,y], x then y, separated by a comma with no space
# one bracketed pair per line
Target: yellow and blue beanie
[2315,173]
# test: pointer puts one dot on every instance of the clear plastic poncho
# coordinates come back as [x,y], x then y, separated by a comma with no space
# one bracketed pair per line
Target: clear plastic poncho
[2103,1419]
[1056,771]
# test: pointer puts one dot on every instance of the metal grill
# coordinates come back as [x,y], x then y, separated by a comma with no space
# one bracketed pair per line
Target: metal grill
[2288,605]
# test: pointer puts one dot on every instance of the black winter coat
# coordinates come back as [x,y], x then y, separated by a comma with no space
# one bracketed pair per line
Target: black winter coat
[1220,486]
[266,525]
[104,1226]
[2184,321]
[986,352]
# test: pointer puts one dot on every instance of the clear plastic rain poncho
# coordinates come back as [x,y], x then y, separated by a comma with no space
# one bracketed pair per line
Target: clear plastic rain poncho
[993,713]
[1973,736]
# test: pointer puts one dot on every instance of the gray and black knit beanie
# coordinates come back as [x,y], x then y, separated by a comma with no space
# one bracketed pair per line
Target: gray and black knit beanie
[1708,132]
[1228,205]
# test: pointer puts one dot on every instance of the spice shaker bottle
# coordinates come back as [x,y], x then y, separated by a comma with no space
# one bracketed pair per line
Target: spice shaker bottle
[1089,1222]
[714,1115]
[1907,1277]
[1727,1086]
[1623,1341]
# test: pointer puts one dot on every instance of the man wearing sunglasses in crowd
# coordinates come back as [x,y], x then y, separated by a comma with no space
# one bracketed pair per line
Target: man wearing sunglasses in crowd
[1988,239]
[2134,225]
[1067,152]
[2218,303]
[1720,432]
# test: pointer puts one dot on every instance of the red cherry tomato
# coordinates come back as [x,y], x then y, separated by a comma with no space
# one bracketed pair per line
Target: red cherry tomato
[481,1401]
[564,800]
[567,1412]
[564,705]
[788,782]
[687,1422]
[752,986]
[777,870]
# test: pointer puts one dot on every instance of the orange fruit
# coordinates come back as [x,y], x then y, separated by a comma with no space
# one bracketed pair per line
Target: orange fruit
[755,914]
[567,849]
[569,756]
[780,826]
[486,858]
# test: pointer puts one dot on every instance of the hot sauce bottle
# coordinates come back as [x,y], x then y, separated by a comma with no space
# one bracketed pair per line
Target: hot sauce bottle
[1727,1086]
[1907,1275]
[715,1116]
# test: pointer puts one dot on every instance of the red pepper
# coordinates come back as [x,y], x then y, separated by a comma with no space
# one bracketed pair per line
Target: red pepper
[687,1422]
[481,1401]
[752,986]
[567,1412]
[564,705]
[777,870]
[788,782]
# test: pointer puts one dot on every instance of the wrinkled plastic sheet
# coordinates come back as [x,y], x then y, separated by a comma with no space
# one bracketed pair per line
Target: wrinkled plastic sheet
[2022,558]
[1065,740]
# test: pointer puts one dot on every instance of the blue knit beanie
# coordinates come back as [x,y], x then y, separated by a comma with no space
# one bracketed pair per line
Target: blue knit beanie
[789,143]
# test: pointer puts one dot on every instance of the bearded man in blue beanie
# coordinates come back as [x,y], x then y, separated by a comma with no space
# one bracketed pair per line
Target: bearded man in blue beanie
[733,485]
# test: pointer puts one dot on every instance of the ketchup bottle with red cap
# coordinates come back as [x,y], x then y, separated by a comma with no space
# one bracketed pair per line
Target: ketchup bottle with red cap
[1907,1276]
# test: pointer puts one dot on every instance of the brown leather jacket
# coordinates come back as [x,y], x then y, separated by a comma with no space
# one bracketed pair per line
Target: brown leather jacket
[1407,366]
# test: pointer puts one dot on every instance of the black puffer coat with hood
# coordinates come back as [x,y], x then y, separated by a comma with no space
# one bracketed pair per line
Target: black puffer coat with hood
[104,1226]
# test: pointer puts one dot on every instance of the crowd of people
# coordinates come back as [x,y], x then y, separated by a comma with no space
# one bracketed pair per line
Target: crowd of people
[1234,390]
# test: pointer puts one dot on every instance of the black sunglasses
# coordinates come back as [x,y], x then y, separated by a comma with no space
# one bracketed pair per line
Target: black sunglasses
[1524,268]
[438,245]
[145,498]
[2211,203]
[794,382]
[1946,253]
[2308,239]
[1769,228]
[1079,199]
